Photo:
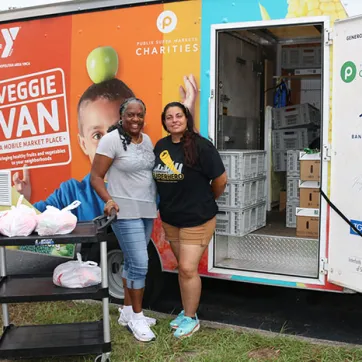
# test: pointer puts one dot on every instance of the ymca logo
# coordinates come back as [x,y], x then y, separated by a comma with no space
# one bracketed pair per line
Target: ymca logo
[9,36]
[167,21]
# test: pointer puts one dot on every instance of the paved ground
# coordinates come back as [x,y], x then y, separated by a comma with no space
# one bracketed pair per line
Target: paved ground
[326,316]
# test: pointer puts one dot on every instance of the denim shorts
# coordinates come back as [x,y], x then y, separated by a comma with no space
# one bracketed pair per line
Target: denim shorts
[133,237]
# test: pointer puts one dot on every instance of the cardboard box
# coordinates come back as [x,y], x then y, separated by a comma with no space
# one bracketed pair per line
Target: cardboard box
[310,165]
[307,223]
[307,227]
[309,198]
[282,200]
[310,170]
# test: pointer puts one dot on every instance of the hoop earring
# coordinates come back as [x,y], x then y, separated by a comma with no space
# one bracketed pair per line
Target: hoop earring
[120,122]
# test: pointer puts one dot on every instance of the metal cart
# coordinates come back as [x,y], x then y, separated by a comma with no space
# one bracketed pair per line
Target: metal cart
[41,341]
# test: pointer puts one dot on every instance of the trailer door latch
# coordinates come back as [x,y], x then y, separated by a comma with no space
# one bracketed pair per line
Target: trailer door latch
[324,266]
[328,36]
[326,152]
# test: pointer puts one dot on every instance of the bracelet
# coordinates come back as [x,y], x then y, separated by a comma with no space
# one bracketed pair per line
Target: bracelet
[109,201]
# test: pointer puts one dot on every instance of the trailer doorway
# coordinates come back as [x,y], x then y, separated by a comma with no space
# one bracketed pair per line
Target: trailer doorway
[251,63]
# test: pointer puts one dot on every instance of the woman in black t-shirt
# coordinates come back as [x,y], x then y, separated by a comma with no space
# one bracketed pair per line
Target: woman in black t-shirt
[190,176]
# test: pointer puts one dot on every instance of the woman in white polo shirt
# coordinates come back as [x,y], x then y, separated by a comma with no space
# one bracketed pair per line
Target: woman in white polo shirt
[125,155]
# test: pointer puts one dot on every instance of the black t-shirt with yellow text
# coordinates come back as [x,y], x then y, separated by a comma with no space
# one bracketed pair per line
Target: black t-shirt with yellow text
[186,197]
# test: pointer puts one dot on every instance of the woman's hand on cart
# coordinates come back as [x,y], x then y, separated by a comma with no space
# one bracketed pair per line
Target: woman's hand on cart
[110,208]
[110,214]
[104,221]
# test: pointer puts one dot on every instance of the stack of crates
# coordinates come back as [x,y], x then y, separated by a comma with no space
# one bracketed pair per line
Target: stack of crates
[301,57]
[293,193]
[242,207]
[294,127]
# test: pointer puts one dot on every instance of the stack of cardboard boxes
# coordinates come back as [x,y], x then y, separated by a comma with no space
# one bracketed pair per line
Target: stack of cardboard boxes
[307,214]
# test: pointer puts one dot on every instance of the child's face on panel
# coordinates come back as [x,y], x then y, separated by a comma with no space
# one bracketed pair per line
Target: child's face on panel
[95,119]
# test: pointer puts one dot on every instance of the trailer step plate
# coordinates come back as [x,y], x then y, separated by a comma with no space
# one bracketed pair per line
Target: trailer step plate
[268,254]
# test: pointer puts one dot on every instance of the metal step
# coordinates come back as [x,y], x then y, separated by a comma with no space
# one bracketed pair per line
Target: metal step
[268,254]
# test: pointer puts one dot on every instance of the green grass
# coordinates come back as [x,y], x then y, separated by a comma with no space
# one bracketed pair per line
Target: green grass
[224,345]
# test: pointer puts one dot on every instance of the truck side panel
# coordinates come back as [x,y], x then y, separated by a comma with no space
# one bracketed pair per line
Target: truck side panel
[44,74]
[47,65]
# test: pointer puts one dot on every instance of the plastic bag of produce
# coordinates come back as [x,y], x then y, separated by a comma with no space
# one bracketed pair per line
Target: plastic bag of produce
[77,274]
[54,221]
[20,220]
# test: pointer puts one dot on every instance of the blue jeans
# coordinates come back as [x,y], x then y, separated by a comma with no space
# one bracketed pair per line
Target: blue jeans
[133,237]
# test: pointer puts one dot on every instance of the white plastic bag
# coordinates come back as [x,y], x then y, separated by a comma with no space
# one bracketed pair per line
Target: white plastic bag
[77,274]
[54,221]
[20,220]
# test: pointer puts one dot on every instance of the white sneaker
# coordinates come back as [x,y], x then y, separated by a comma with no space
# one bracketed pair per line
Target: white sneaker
[141,330]
[124,319]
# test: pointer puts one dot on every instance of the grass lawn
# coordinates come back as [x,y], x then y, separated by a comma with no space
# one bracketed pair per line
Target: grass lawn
[224,345]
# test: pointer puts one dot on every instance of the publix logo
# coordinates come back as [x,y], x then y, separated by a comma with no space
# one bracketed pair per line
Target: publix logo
[167,21]
[349,72]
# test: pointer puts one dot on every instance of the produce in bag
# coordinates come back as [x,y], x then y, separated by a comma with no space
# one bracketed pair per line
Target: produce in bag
[20,220]
[77,274]
[54,221]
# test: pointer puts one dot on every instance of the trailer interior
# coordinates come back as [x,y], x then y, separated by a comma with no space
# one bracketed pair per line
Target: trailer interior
[251,63]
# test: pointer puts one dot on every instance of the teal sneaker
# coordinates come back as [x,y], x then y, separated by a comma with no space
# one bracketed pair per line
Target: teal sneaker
[187,327]
[177,321]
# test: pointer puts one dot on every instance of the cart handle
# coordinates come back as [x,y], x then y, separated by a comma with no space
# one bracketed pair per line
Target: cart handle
[100,219]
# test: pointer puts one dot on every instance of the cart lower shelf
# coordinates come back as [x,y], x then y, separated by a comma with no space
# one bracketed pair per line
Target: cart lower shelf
[40,288]
[53,340]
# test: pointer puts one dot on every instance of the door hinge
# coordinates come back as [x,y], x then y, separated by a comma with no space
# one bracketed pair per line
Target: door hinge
[324,266]
[326,152]
[328,36]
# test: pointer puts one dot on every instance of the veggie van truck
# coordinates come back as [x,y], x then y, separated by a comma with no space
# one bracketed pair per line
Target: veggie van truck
[275,84]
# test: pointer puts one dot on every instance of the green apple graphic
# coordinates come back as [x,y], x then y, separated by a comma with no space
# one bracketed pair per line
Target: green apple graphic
[102,64]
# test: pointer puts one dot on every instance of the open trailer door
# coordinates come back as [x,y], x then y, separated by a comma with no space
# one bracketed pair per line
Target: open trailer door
[345,244]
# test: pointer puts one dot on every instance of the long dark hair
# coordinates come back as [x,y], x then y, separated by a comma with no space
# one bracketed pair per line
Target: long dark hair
[125,137]
[189,137]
